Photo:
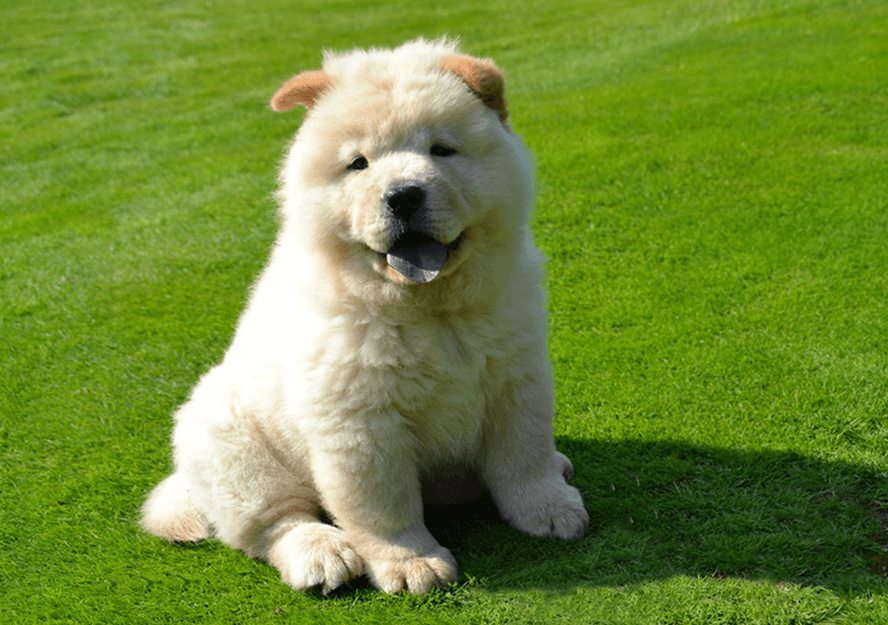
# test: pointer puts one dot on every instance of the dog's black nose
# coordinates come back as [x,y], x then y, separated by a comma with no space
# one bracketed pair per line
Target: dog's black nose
[404,201]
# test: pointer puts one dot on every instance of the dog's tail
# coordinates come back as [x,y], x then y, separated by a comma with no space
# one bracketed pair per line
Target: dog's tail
[170,512]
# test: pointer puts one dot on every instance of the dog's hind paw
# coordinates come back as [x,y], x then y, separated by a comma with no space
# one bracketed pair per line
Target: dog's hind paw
[315,556]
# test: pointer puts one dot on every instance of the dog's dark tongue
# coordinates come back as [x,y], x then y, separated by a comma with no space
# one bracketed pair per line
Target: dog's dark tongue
[417,257]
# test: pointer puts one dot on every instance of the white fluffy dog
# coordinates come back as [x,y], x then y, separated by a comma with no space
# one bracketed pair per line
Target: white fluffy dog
[393,348]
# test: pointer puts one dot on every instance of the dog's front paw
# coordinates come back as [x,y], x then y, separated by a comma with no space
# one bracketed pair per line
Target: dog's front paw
[417,575]
[314,555]
[545,507]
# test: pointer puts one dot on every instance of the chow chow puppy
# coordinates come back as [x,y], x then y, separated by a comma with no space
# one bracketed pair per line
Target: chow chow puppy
[394,348]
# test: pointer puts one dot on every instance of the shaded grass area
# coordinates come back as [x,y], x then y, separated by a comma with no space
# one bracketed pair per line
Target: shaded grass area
[713,188]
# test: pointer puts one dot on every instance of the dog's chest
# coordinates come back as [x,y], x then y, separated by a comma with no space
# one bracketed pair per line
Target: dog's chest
[433,374]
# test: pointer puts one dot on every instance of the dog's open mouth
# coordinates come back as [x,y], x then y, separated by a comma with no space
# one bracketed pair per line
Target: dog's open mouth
[418,257]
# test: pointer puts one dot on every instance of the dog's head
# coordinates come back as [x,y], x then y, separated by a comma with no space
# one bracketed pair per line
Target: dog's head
[409,162]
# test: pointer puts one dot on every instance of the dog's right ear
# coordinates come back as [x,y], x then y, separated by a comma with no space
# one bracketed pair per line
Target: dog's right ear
[302,89]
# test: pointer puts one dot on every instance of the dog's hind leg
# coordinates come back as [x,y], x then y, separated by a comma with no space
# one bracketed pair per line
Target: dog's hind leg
[311,554]
[244,482]
[170,512]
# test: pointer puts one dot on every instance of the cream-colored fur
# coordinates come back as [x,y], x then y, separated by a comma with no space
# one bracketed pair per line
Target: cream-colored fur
[350,389]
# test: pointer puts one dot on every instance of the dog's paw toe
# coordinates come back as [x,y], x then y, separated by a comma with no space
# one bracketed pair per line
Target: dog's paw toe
[562,465]
[571,521]
[315,555]
[416,575]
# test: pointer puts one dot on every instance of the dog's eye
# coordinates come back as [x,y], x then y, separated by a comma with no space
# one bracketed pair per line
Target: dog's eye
[441,150]
[358,164]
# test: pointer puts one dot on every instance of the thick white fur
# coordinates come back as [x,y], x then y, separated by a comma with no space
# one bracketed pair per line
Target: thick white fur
[348,389]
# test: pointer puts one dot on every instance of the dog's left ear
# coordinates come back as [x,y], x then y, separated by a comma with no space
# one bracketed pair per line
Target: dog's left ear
[481,76]
[302,89]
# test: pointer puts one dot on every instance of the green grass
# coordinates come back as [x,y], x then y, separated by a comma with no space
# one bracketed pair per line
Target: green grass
[713,199]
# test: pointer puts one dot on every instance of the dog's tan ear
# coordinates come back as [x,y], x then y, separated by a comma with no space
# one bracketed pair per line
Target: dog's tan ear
[481,76]
[302,89]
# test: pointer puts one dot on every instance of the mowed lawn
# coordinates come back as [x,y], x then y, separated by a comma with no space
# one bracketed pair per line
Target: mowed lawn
[713,201]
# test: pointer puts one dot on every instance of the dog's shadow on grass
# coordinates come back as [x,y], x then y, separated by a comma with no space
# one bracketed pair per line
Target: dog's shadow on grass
[662,509]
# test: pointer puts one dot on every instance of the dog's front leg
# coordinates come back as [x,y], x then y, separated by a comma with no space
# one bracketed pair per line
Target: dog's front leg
[367,476]
[525,474]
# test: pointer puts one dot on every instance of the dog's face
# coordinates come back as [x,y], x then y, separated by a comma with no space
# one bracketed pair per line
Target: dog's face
[414,172]
[411,176]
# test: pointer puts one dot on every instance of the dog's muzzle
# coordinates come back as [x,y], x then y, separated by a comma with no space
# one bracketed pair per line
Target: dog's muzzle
[416,255]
